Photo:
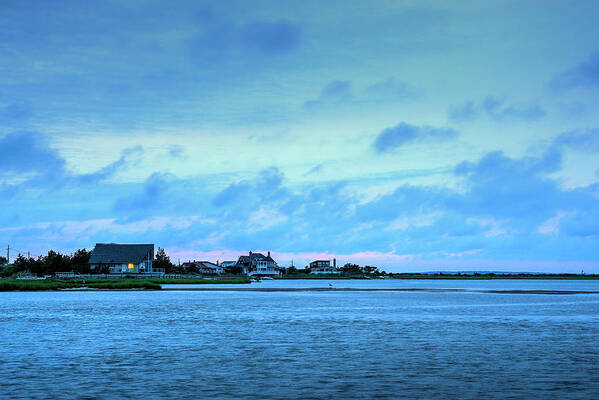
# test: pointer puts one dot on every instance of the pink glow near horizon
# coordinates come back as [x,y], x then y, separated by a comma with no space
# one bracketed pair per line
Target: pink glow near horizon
[392,262]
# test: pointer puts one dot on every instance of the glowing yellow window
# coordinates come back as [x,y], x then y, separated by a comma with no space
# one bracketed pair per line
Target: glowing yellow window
[130,266]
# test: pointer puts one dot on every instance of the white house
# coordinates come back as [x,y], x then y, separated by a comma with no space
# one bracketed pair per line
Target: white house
[258,264]
[324,267]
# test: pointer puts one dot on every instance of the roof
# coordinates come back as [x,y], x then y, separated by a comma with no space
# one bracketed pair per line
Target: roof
[113,253]
[201,264]
[254,256]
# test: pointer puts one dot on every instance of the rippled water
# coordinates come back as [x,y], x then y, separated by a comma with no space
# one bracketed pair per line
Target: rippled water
[227,344]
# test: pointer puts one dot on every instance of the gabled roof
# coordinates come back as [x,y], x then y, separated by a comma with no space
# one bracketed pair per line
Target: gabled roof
[246,260]
[243,260]
[201,264]
[113,253]
[208,264]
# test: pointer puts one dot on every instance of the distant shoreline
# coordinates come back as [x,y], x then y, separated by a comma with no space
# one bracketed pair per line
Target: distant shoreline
[120,284]
[474,276]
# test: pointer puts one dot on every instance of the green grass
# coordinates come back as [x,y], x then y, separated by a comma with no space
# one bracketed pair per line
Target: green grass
[8,285]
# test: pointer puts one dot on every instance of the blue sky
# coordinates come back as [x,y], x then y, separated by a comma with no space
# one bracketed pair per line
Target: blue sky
[414,135]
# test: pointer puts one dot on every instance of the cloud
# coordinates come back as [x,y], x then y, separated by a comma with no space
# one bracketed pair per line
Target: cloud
[111,169]
[496,109]
[155,189]
[587,140]
[271,37]
[231,193]
[314,170]
[504,208]
[390,90]
[502,187]
[403,133]
[584,75]
[463,112]
[221,39]
[335,92]
[15,112]
[28,152]
[176,151]
[30,163]
[339,92]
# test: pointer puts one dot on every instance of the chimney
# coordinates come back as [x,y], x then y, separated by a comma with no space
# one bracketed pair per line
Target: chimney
[250,254]
[334,263]
[269,253]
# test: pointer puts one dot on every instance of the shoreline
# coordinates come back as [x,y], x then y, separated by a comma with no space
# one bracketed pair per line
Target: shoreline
[299,290]
[405,290]
[415,276]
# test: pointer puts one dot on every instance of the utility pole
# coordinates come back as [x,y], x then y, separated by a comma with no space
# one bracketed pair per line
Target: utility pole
[8,254]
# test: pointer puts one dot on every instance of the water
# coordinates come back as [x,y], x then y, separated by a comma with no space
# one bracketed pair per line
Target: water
[267,345]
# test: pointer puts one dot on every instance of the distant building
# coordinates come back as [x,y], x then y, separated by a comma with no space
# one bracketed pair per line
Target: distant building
[203,267]
[69,274]
[258,264]
[324,267]
[122,258]
[226,264]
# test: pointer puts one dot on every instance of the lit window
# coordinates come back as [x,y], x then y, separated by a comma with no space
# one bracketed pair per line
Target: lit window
[130,266]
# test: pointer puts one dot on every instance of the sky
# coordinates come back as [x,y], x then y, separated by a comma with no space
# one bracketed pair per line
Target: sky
[411,135]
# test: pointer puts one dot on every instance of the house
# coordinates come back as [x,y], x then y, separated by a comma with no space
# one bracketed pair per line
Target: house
[203,267]
[69,274]
[226,264]
[258,264]
[116,258]
[324,267]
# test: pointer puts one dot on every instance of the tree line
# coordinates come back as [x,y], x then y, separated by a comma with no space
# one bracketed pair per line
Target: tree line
[348,269]
[49,264]
[78,262]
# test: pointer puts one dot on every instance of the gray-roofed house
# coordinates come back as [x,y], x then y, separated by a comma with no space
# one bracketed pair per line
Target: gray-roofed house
[122,258]
[258,264]
[203,267]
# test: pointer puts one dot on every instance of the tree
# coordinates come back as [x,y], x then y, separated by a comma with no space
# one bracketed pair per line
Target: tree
[291,270]
[162,260]
[30,264]
[234,269]
[351,269]
[54,262]
[80,261]
[304,271]
[369,269]
[3,260]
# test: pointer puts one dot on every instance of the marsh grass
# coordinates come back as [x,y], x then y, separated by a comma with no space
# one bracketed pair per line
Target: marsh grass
[9,285]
